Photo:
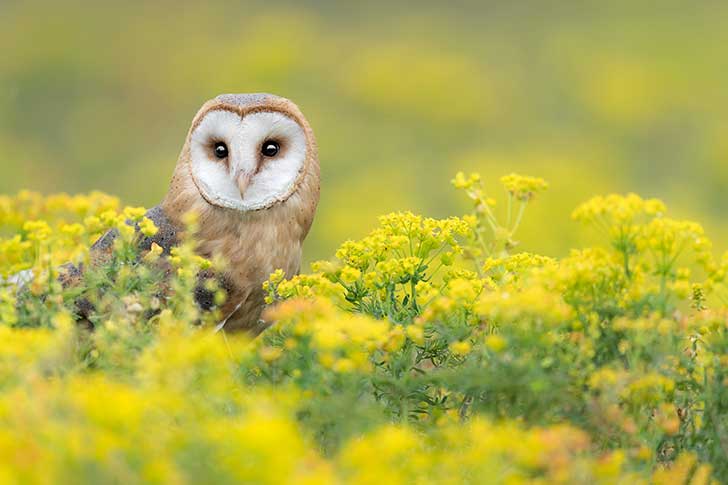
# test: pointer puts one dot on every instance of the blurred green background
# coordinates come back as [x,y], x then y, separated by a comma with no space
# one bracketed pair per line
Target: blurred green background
[595,97]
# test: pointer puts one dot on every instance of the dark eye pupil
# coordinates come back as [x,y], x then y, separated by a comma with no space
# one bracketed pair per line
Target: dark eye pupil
[221,150]
[270,149]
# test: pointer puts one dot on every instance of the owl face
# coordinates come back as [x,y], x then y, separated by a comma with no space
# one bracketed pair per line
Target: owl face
[246,161]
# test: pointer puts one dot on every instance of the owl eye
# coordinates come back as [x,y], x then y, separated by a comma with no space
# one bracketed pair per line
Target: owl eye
[270,148]
[221,150]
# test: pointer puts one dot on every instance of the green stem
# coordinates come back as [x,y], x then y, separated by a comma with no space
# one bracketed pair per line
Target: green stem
[510,206]
[413,296]
[521,210]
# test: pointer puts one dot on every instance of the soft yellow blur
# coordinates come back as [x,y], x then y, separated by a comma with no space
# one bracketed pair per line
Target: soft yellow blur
[596,98]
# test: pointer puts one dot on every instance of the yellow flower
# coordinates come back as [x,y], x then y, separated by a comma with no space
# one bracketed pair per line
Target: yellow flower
[37,230]
[323,267]
[147,227]
[466,290]
[343,365]
[134,213]
[126,231]
[523,187]
[276,277]
[533,305]
[72,230]
[154,252]
[648,389]
[416,334]
[396,339]
[495,342]
[349,275]
[461,181]
[618,208]
[460,348]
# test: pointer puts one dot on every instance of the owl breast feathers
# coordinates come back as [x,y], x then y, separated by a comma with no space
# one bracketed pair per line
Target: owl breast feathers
[249,170]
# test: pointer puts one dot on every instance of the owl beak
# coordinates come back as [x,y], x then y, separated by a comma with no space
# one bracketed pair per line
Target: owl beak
[243,180]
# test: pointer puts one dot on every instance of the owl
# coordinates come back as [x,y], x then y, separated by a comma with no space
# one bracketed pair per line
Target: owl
[249,169]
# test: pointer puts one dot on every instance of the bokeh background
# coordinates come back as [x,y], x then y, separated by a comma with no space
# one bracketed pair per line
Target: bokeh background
[593,96]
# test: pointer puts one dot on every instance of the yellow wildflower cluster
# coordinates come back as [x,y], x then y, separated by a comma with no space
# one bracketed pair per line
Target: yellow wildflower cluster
[462,181]
[403,235]
[533,305]
[650,388]
[26,206]
[667,239]
[501,453]
[622,218]
[427,352]
[523,187]
[336,339]
[458,294]
[510,268]
[493,235]
[616,210]
[303,285]
[389,271]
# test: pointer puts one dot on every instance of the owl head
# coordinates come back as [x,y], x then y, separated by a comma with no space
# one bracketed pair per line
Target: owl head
[248,152]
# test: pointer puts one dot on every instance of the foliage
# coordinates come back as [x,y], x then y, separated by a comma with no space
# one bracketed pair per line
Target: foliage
[429,351]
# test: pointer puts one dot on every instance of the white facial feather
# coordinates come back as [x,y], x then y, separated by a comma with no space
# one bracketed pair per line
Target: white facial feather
[273,181]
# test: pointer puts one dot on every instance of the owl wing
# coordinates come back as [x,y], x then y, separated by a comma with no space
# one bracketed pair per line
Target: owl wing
[167,237]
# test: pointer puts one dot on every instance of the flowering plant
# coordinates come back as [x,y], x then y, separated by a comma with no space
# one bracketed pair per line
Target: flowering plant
[429,351]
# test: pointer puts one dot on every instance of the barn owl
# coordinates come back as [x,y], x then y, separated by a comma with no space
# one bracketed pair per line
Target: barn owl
[249,168]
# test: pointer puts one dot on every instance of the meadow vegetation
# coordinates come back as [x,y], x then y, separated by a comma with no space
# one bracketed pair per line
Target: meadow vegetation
[429,351]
